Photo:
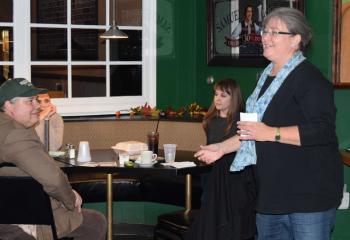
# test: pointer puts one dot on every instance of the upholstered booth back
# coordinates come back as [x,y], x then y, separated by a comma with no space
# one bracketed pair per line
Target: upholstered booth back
[106,133]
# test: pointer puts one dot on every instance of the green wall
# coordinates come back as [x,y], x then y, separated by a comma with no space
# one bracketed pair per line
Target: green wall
[182,68]
[181,59]
[176,54]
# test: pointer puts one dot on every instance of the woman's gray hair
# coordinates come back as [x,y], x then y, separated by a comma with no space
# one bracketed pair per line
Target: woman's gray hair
[295,22]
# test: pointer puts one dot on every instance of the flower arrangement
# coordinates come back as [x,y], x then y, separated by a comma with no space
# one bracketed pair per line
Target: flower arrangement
[145,110]
[193,109]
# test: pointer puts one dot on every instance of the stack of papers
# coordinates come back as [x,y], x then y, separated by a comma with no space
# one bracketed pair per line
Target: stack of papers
[180,164]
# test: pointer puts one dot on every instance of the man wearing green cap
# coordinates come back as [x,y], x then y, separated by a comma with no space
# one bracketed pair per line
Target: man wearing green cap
[20,145]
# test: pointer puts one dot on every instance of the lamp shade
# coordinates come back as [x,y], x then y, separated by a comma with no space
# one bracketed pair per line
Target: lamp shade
[113,32]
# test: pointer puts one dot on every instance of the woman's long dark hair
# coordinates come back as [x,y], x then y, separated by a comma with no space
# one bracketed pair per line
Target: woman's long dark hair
[230,87]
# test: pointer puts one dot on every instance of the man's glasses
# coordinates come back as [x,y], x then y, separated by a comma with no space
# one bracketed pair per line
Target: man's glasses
[274,33]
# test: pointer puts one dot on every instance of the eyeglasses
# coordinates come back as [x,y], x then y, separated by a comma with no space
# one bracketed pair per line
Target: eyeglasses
[274,33]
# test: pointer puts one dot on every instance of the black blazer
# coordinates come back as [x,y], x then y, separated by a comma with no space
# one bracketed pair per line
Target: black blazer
[306,178]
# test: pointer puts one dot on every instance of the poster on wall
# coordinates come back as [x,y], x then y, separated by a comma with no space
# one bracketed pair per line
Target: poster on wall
[341,47]
[234,27]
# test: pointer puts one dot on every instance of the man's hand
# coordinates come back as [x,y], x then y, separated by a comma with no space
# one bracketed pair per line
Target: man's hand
[78,201]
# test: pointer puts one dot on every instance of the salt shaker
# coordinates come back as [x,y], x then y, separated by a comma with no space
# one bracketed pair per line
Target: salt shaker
[70,151]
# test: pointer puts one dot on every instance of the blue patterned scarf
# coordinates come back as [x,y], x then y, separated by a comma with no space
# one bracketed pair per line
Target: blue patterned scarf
[246,155]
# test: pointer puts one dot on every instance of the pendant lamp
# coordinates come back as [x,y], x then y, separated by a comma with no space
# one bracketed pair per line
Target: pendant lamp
[113,32]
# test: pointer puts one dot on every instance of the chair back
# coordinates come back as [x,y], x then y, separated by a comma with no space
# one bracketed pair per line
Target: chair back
[23,201]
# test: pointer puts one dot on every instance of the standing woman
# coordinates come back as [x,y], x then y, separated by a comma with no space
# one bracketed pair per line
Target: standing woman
[228,205]
[299,171]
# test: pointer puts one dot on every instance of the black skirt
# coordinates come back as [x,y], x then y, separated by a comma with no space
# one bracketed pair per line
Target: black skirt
[228,206]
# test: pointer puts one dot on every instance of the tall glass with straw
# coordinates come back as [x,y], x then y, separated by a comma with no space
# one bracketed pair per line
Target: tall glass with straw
[153,139]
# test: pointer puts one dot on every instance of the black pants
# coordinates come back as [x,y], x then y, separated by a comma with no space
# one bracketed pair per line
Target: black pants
[94,226]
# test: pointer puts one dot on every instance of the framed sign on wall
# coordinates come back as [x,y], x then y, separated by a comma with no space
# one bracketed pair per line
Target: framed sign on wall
[341,47]
[233,30]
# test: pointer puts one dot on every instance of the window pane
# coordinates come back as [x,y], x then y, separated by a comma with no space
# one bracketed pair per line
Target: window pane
[126,80]
[86,45]
[129,49]
[6,11]
[49,44]
[6,44]
[88,81]
[89,12]
[54,78]
[128,12]
[48,11]
[6,72]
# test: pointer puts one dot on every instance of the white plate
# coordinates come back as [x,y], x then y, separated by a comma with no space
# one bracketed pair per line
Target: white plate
[136,157]
[57,153]
[146,164]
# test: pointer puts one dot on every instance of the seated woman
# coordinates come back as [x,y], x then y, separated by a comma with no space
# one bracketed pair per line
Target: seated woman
[228,203]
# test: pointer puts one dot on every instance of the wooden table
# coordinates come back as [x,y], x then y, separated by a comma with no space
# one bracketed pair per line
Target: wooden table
[108,155]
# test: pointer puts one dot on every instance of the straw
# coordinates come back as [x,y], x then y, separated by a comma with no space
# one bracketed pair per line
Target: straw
[157,123]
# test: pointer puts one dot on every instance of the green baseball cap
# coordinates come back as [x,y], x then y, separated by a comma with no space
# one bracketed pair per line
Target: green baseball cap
[18,87]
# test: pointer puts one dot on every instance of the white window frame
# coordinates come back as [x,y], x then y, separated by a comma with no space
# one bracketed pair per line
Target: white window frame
[91,105]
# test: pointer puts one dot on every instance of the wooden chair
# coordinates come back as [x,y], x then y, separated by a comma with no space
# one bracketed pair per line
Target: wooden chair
[23,201]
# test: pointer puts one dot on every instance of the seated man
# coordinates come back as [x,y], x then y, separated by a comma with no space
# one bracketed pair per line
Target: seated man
[20,145]
[48,111]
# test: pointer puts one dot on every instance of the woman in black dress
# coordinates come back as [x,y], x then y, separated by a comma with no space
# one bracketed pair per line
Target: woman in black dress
[228,203]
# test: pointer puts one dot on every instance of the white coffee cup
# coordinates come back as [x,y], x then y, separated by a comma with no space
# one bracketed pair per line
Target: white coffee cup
[147,157]
[169,152]
[84,152]
[248,117]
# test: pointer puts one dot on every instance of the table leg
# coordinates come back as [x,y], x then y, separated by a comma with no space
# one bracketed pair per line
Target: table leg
[109,206]
[188,193]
